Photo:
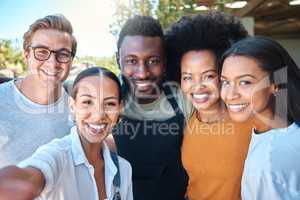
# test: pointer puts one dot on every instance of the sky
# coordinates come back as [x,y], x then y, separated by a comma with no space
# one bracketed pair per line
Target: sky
[90,20]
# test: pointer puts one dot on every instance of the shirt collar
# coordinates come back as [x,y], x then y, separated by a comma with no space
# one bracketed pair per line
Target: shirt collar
[80,158]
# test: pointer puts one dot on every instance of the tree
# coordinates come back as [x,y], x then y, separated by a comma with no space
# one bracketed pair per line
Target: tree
[166,11]
[127,9]
[11,57]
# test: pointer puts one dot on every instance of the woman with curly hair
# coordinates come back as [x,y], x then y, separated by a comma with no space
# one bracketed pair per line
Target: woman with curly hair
[214,147]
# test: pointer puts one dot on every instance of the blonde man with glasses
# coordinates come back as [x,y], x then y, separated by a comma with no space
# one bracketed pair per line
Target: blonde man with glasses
[34,109]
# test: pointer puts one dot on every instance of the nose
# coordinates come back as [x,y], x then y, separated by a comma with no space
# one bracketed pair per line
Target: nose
[99,114]
[231,92]
[142,71]
[52,60]
[198,83]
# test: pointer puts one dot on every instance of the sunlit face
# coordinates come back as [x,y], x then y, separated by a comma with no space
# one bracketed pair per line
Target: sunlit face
[246,88]
[49,72]
[142,64]
[96,107]
[199,79]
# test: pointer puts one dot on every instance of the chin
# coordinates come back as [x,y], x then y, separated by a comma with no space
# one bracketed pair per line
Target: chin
[239,117]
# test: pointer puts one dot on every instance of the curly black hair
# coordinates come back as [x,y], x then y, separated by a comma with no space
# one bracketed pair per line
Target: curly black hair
[214,31]
[140,26]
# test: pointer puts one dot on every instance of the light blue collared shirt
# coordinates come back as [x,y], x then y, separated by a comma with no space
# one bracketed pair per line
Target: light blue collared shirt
[69,175]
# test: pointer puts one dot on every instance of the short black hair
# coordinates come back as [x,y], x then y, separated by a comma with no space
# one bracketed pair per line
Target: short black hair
[140,26]
[214,31]
[95,71]
[272,57]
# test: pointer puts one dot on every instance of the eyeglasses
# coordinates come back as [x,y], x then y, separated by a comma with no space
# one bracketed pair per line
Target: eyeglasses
[43,54]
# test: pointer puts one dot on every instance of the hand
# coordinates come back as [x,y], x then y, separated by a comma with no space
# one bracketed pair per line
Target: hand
[16,190]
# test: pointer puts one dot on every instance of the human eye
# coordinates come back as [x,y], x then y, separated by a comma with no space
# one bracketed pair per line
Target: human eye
[86,102]
[224,83]
[41,52]
[186,78]
[130,61]
[110,105]
[64,54]
[153,61]
[245,82]
[209,76]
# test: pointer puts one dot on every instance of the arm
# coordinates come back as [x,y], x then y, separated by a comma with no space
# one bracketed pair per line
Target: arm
[20,183]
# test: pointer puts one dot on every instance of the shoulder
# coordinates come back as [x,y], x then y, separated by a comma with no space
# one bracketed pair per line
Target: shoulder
[6,88]
[57,150]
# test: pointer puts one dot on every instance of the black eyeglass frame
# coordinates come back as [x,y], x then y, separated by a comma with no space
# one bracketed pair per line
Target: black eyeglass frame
[50,52]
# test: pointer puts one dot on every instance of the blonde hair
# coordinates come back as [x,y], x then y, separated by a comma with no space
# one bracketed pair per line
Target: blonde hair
[56,22]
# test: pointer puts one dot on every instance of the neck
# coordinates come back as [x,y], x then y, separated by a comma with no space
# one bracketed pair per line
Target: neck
[93,152]
[213,114]
[43,94]
[145,100]
[267,120]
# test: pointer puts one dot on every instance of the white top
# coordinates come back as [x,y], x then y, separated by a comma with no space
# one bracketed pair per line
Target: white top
[26,125]
[68,174]
[272,167]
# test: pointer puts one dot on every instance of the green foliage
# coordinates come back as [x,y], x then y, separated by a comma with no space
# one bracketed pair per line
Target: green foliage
[127,9]
[166,11]
[11,57]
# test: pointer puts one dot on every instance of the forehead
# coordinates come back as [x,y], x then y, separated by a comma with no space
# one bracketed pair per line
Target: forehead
[235,66]
[198,61]
[98,86]
[54,39]
[141,45]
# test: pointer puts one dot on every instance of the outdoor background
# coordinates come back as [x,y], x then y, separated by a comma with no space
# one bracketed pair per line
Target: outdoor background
[96,24]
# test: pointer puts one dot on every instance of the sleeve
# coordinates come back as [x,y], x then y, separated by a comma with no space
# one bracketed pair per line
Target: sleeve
[268,186]
[49,159]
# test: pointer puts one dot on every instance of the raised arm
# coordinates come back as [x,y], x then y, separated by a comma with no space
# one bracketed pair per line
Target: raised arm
[20,183]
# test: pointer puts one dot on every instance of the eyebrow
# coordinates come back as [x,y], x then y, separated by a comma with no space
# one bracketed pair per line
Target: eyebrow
[210,70]
[107,98]
[242,76]
[43,46]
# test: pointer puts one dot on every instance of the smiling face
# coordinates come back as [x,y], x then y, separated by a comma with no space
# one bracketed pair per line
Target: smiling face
[246,89]
[49,72]
[96,107]
[199,79]
[142,64]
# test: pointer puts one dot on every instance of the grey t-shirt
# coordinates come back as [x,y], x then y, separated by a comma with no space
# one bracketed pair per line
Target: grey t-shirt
[26,125]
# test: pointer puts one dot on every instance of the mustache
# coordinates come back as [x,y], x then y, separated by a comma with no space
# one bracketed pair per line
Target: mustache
[151,79]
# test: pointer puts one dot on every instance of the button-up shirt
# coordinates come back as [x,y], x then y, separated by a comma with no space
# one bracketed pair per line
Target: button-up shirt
[69,175]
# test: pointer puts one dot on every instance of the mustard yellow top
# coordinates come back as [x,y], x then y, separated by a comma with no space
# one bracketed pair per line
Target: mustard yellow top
[213,155]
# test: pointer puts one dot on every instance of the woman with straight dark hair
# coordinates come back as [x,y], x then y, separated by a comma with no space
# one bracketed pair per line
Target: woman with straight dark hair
[78,166]
[256,73]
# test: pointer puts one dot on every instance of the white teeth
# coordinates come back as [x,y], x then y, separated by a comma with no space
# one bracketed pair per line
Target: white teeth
[51,73]
[143,84]
[200,96]
[237,107]
[97,127]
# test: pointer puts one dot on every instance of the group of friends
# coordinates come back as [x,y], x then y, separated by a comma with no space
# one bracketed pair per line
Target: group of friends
[200,111]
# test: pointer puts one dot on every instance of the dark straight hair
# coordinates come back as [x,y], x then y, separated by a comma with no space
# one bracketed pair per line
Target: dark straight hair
[273,58]
[95,71]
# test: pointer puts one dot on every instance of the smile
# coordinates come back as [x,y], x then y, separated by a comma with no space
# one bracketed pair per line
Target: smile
[200,98]
[49,73]
[96,129]
[237,107]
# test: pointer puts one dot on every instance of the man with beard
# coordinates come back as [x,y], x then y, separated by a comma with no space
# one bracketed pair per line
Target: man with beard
[149,135]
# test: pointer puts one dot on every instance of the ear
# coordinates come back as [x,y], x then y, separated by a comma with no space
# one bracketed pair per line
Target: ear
[26,55]
[71,104]
[118,59]
[274,89]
